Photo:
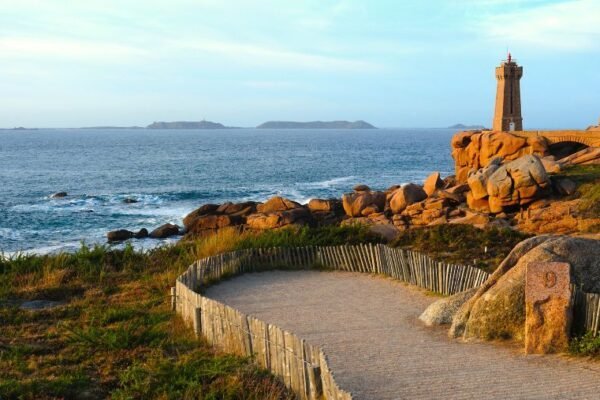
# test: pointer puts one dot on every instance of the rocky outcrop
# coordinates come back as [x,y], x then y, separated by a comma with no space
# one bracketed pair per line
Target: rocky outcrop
[211,217]
[324,205]
[164,231]
[518,182]
[278,212]
[206,209]
[405,196]
[361,203]
[477,180]
[551,165]
[361,188]
[562,217]
[141,234]
[377,223]
[479,205]
[119,235]
[478,220]
[564,186]
[497,310]
[278,219]
[123,234]
[432,183]
[442,311]
[326,211]
[587,156]
[213,222]
[237,209]
[277,203]
[473,150]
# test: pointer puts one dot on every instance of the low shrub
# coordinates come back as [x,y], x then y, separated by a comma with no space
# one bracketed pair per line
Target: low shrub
[298,237]
[462,244]
[586,345]
[587,178]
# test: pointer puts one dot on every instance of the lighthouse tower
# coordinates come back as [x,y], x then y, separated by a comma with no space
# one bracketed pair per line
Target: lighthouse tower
[507,115]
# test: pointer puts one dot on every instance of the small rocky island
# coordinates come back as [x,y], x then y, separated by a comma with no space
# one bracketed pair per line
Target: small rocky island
[186,125]
[467,127]
[316,125]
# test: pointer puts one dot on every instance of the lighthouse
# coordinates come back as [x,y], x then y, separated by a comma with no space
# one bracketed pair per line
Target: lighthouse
[507,115]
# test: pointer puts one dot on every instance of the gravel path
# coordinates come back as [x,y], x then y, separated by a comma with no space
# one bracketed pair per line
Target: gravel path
[378,349]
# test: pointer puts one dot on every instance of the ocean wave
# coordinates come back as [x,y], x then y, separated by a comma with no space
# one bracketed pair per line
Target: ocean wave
[83,203]
[43,250]
[296,195]
[73,246]
[167,211]
[328,183]
[10,234]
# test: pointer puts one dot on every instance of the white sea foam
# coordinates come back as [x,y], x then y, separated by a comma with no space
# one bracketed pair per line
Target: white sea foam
[85,203]
[296,195]
[10,234]
[138,244]
[42,250]
[329,183]
[175,212]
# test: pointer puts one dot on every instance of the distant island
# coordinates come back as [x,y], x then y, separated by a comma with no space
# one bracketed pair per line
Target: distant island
[18,128]
[216,125]
[316,125]
[463,126]
[187,125]
[112,127]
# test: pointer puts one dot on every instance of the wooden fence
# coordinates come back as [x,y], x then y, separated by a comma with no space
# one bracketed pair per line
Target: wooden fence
[586,312]
[302,366]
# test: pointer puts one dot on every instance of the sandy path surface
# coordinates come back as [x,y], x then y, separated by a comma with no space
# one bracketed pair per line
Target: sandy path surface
[378,349]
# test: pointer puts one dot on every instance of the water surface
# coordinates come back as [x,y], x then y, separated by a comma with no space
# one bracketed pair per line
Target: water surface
[171,172]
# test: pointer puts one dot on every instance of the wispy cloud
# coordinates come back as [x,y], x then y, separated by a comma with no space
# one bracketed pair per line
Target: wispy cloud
[570,26]
[256,54]
[29,47]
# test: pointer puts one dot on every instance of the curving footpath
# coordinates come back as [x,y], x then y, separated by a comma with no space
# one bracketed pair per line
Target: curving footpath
[378,349]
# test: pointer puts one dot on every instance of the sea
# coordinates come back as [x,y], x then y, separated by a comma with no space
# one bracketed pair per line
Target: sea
[172,172]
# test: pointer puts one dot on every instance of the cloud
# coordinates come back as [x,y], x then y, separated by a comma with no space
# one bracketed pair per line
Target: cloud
[263,55]
[27,47]
[569,26]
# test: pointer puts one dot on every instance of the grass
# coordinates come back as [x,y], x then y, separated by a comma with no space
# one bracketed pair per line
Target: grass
[586,345]
[323,236]
[116,337]
[587,178]
[462,244]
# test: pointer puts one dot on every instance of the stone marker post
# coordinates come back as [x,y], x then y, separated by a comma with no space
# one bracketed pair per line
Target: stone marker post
[548,309]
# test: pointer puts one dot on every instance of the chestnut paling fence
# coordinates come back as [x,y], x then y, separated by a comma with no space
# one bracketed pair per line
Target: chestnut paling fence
[303,367]
[586,312]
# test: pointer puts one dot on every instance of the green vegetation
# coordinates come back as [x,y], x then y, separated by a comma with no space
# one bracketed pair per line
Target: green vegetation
[115,336]
[322,236]
[462,244]
[586,345]
[587,178]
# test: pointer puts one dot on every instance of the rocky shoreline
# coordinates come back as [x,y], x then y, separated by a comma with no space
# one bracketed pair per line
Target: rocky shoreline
[502,180]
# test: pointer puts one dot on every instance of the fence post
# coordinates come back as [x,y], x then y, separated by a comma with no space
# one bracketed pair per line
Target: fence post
[173,298]
[198,321]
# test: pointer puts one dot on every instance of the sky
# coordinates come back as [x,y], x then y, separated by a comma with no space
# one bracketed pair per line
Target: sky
[393,63]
